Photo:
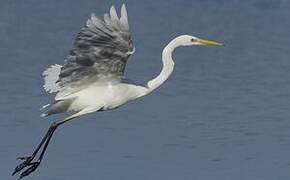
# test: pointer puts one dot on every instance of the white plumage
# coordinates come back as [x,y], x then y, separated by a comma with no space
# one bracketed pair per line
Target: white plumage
[50,76]
[91,78]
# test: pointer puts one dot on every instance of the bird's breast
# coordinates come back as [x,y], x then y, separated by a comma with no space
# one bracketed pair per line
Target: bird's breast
[105,97]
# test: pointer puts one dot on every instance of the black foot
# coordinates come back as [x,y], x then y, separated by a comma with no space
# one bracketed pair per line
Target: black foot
[30,163]
[27,162]
[32,168]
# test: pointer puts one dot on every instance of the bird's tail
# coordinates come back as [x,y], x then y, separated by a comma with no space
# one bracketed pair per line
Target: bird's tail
[60,106]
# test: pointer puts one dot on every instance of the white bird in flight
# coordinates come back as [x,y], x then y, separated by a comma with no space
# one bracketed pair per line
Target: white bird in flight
[91,78]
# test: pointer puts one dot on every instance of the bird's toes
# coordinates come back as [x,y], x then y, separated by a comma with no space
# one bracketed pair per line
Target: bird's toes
[32,168]
[26,162]
[26,158]
[19,167]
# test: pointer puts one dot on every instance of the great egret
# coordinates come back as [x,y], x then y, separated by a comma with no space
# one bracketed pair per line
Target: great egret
[91,78]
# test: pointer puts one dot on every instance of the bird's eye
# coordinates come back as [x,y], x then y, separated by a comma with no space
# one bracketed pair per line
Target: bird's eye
[192,40]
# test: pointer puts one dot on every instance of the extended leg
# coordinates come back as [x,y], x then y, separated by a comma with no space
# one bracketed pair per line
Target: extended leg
[31,162]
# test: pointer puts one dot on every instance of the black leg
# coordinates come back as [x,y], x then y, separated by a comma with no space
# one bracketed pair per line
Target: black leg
[30,161]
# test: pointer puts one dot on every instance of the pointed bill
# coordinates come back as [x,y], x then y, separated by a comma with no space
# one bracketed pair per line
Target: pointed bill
[209,43]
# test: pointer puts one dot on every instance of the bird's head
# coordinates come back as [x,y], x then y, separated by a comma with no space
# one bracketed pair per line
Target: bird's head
[187,40]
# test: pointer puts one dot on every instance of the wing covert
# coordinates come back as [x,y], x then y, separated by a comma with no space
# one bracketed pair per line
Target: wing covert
[101,50]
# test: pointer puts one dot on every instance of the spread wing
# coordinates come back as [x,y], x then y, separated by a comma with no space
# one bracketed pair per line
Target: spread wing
[100,51]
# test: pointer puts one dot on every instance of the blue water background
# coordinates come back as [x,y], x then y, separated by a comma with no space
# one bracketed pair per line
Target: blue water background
[222,115]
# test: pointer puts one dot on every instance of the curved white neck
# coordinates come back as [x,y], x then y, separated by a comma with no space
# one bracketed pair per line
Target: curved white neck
[168,65]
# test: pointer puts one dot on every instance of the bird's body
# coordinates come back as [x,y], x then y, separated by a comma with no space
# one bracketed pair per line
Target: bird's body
[104,96]
[108,92]
[92,77]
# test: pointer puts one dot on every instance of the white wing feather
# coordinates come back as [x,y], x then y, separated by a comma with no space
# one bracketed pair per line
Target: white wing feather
[113,14]
[50,76]
[99,34]
[124,17]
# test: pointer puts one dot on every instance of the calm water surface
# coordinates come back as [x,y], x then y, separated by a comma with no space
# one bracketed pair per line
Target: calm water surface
[223,115]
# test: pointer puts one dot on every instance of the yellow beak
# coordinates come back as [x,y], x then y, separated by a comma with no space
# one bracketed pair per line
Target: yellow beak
[209,43]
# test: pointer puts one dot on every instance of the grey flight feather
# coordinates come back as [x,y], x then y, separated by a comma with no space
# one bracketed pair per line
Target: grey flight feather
[101,50]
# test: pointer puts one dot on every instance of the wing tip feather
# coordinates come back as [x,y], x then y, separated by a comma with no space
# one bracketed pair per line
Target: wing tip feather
[113,13]
[124,16]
